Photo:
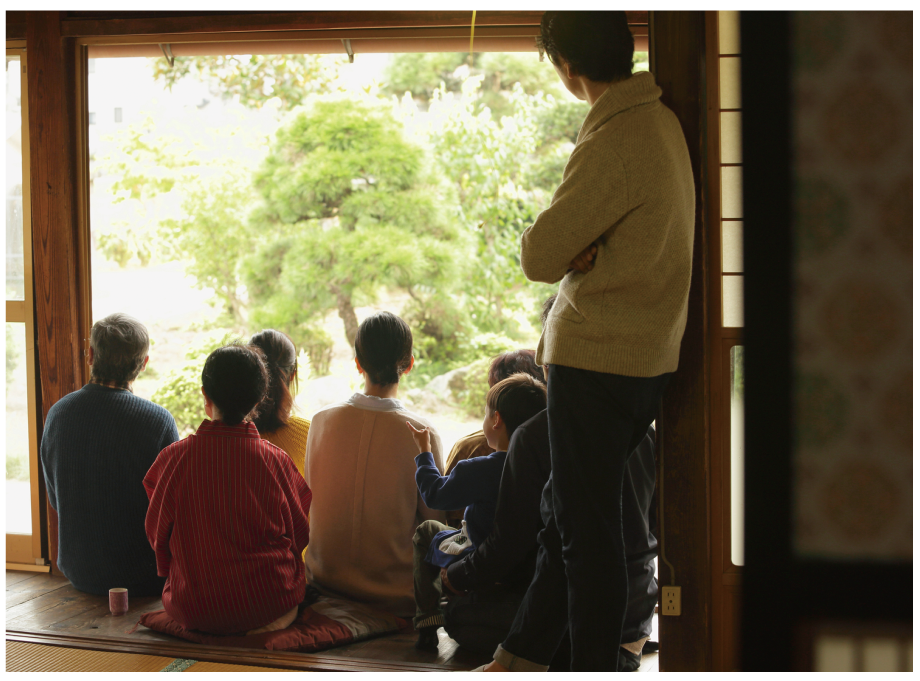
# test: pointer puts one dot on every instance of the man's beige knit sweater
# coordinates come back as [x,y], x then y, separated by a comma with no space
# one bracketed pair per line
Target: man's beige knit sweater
[628,186]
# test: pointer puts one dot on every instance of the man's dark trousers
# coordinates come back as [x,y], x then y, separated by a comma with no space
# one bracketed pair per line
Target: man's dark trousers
[596,420]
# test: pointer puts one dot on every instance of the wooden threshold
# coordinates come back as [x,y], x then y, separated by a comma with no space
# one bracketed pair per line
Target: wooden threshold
[242,656]
[26,567]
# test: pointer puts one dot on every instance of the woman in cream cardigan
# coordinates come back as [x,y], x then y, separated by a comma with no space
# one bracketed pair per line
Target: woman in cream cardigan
[360,465]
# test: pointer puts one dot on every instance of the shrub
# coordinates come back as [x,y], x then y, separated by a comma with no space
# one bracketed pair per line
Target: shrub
[180,393]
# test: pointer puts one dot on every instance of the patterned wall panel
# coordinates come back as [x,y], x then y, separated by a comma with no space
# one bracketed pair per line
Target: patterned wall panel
[853,93]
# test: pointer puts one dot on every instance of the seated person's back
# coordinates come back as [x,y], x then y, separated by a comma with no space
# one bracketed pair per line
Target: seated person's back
[228,511]
[475,445]
[97,445]
[274,419]
[361,464]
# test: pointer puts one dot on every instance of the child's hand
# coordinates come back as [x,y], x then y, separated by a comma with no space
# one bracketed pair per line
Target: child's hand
[422,438]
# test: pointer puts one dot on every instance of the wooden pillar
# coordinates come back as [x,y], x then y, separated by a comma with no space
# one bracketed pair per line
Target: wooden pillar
[60,300]
[677,54]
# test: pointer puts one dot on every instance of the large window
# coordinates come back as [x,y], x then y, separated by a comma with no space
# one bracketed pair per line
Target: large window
[304,192]
[23,537]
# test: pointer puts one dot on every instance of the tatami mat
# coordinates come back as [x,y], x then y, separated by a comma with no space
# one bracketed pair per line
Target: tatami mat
[221,667]
[30,657]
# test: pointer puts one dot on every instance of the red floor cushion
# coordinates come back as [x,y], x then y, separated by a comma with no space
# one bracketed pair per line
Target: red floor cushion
[327,623]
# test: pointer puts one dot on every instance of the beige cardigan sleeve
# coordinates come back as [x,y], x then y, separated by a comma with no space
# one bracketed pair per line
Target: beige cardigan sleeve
[592,198]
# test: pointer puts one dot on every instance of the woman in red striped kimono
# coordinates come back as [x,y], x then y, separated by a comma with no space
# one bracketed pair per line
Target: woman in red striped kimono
[228,511]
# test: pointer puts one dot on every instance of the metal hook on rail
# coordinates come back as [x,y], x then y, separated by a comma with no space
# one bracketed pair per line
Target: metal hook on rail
[350,52]
[167,52]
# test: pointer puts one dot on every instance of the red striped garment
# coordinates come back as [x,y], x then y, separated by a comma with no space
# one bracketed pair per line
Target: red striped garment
[228,523]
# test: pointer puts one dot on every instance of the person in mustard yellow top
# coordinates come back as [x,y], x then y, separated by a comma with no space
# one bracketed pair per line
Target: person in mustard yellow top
[275,421]
[474,445]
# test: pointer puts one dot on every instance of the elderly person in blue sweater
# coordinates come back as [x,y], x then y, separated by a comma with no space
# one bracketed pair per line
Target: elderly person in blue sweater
[97,445]
[473,484]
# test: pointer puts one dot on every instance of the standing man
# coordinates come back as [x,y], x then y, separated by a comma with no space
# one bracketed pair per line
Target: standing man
[619,235]
[96,449]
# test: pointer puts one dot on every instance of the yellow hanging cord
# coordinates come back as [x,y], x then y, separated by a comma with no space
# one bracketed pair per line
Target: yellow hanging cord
[472,31]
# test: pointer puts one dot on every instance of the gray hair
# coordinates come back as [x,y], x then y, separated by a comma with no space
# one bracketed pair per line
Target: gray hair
[120,344]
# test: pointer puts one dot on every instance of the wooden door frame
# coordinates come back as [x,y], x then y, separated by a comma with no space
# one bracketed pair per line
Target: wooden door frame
[678,60]
[726,577]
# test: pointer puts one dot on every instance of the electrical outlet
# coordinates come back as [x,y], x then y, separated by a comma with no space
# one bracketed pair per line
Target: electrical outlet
[670,600]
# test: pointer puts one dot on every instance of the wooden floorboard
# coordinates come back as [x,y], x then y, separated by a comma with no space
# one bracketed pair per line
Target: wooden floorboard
[47,610]
[14,577]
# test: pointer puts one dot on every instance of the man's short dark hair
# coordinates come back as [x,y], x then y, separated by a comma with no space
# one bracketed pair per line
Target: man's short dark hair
[235,378]
[514,362]
[120,344]
[598,45]
[517,398]
[383,346]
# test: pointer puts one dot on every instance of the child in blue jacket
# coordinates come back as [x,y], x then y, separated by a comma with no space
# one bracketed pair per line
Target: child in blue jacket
[472,484]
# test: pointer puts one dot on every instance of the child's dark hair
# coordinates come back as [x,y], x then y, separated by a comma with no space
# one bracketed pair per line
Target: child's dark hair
[517,398]
[547,306]
[281,357]
[235,379]
[598,45]
[514,362]
[383,346]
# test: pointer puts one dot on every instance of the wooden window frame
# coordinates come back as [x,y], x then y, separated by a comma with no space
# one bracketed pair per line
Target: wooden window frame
[62,256]
[63,41]
[24,551]
[726,576]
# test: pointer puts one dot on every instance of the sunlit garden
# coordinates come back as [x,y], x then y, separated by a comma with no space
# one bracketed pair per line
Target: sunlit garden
[303,192]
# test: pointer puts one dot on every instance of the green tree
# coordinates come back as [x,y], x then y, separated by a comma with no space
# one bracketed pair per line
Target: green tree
[421,74]
[255,79]
[145,167]
[213,236]
[492,164]
[355,208]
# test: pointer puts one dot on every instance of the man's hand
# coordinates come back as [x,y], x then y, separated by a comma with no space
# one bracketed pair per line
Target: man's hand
[422,438]
[446,582]
[584,261]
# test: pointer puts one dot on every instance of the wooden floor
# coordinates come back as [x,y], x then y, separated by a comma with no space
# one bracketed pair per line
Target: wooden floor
[45,609]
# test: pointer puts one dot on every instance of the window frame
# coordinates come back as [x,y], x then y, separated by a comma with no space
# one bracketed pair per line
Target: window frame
[24,551]
[726,576]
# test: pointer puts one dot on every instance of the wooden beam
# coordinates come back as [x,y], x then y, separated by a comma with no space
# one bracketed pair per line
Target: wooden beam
[15,25]
[288,21]
[677,60]
[148,23]
[59,294]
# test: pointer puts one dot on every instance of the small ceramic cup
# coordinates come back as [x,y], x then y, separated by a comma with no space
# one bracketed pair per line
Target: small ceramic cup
[118,601]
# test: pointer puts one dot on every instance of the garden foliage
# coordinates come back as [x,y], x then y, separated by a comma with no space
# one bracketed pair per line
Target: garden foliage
[424,195]
[180,392]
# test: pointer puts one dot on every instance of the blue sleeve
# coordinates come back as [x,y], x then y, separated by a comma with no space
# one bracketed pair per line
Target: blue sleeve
[464,485]
[170,433]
